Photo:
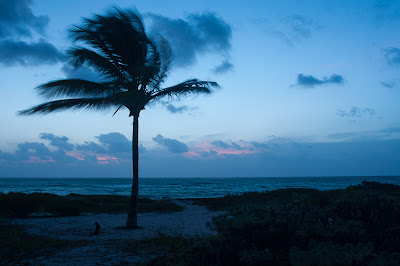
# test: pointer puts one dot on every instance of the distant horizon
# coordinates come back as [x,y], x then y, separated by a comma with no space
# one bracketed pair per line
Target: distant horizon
[181,187]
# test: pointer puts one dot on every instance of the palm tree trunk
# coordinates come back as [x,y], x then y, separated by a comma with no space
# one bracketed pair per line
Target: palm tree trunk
[131,222]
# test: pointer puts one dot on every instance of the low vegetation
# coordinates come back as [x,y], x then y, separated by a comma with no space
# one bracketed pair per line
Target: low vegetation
[17,245]
[359,225]
[22,205]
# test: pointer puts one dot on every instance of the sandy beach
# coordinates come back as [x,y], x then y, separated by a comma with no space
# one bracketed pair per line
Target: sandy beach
[105,248]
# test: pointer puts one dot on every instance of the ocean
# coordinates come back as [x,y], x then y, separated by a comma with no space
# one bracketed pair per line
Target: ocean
[179,187]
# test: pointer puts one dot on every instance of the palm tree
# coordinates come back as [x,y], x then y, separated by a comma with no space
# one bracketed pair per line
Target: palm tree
[132,66]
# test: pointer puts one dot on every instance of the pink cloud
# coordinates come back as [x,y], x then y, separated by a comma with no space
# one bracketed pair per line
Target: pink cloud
[208,147]
[104,159]
[75,155]
[35,159]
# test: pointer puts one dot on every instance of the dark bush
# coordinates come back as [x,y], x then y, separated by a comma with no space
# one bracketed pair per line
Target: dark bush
[309,227]
[377,211]
[17,204]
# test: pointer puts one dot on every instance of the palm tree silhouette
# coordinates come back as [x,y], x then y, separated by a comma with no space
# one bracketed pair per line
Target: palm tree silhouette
[132,66]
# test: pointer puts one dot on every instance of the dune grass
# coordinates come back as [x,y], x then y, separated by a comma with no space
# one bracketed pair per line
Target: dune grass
[22,205]
[359,225]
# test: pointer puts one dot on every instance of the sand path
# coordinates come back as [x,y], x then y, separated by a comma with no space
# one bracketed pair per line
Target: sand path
[105,248]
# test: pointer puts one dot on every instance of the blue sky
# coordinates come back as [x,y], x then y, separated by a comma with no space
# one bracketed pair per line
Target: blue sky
[308,88]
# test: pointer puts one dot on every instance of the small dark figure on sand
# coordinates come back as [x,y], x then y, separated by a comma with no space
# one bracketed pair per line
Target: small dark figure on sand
[97,230]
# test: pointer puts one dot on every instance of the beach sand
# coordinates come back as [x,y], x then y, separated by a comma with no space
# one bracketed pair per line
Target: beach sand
[105,248]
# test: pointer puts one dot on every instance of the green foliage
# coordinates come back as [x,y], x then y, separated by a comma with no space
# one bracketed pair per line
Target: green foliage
[22,205]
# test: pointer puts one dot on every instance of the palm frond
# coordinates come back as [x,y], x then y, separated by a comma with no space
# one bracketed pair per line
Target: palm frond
[192,86]
[94,40]
[60,105]
[116,111]
[82,56]
[129,15]
[133,66]
[160,56]
[76,88]
[123,34]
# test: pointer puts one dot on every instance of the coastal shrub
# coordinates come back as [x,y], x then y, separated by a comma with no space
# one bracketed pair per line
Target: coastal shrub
[267,229]
[22,205]
[376,210]
[17,245]
[195,250]
[385,259]
[120,204]
[341,219]
[354,226]
[17,204]
[389,240]
[376,186]
[324,198]
[329,254]
[62,207]
[232,201]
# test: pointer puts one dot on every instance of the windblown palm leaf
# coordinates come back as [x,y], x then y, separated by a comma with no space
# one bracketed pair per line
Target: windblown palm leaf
[132,67]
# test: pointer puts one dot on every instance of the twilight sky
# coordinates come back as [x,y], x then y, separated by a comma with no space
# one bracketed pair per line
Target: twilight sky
[308,88]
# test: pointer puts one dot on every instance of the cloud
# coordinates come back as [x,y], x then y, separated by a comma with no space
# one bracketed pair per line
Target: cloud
[28,153]
[356,112]
[111,153]
[17,19]
[260,145]
[19,29]
[388,85]
[180,109]
[113,143]
[295,28]
[274,157]
[90,146]
[392,56]
[383,4]
[381,134]
[224,67]
[311,81]
[59,142]
[28,54]
[193,36]
[386,10]
[209,153]
[226,144]
[172,145]
[390,130]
